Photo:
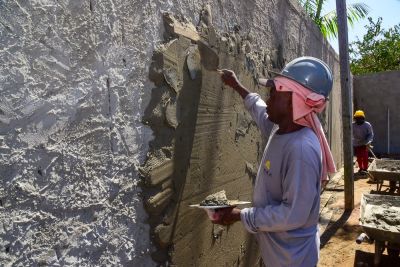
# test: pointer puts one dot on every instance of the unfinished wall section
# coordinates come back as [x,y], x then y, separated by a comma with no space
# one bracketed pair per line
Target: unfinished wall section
[378,95]
[204,139]
[82,85]
[204,142]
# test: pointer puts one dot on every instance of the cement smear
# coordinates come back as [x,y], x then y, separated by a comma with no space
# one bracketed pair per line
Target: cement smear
[171,114]
[204,139]
[204,142]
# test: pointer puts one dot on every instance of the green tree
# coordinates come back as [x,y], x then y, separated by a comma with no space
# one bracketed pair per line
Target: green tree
[327,23]
[379,49]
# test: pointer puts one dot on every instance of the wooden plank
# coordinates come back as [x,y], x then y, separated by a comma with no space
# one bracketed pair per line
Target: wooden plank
[324,221]
[324,201]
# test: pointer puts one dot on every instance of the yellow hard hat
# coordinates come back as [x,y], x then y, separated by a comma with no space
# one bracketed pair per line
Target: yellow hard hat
[359,113]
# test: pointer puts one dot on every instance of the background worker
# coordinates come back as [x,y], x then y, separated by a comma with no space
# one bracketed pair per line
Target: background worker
[362,139]
[286,196]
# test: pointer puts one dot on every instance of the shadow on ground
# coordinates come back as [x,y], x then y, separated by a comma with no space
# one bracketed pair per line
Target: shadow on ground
[334,228]
[367,259]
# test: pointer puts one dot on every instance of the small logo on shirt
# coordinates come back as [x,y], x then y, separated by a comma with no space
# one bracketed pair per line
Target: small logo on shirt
[268,165]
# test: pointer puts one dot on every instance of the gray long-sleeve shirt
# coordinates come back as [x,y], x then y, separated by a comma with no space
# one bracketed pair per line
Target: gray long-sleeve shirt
[286,195]
[362,134]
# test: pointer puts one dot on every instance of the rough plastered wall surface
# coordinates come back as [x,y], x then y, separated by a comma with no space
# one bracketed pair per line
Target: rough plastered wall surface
[91,89]
[74,83]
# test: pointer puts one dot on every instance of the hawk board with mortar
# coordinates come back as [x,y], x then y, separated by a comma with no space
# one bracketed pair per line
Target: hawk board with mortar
[212,203]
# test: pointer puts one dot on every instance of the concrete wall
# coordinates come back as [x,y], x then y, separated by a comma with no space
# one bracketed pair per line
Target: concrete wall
[80,80]
[378,94]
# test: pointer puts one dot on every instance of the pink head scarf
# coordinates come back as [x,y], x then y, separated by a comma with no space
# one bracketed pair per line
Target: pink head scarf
[306,105]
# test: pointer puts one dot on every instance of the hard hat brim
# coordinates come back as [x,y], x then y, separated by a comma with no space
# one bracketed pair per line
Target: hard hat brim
[267,82]
[270,82]
[291,78]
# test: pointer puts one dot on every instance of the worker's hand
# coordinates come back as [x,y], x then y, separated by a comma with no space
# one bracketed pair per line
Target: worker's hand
[229,78]
[227,216]
[370,146]
[324,183]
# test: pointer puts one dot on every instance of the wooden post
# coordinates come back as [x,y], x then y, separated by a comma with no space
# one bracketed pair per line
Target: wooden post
[345,82]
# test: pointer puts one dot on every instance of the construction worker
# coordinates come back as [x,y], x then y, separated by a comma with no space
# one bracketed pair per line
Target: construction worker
[286,196]
[362,139]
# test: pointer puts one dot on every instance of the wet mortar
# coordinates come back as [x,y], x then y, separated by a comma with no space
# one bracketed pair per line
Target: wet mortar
[388,165]
[216,199]
[383,217]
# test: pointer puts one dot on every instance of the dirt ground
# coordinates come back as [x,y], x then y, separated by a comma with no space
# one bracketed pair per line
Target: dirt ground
[338,246]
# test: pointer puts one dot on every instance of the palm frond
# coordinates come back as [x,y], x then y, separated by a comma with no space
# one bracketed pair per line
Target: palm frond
[328,22]
[356,12]
[329,26]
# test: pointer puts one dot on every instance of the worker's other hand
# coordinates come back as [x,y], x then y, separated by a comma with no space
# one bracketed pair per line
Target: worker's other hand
[229,78]
[227,216]
[370,146]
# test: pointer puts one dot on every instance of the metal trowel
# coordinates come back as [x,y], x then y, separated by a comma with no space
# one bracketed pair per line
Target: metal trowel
[208,56]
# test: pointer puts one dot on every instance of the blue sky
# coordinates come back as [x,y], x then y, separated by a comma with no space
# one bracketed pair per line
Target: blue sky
[389,10]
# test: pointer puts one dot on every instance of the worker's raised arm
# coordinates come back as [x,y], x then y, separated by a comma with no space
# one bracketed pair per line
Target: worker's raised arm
[252,101]
[257,108]
[229,78]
